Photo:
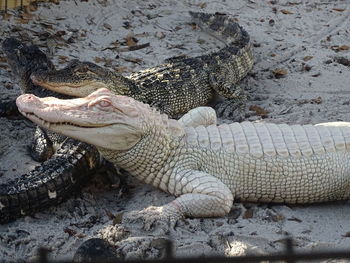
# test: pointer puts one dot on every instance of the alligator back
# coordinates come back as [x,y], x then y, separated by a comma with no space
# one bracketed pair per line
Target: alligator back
[267,139]
[184,83]
[276,162]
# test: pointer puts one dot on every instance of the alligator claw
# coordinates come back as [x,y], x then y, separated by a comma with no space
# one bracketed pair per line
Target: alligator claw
[153,218]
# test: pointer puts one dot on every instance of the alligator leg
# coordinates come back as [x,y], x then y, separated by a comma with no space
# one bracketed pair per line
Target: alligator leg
[219,81]
[199,195]
[41,147]
[231,109]
[205,116]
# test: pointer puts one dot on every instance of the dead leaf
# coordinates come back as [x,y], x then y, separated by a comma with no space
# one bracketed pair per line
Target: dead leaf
[63,59]
[69,231]
[107,26]
[110,215]
[160,35]
[340,48]
[344,47]
[80,235]
[286,12]
[259,111]
[33,6]
[193,25]
[202,5]
[121,69]
[248,214]
[133,60]
[279,72]
[27,16]
[126,24]
[118,218]
[98,59]
[316,75]
[6,16]
[307,58]
[295,219]
[317,100]
[343,61]
[133,48]
[131,41]
[339,9]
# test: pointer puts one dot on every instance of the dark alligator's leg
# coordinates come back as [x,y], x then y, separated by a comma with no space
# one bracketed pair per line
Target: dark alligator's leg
[41,147]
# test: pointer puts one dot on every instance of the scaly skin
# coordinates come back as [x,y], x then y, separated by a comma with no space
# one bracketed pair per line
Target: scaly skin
[25,60]
[63,172]
[175,87]
[206,167]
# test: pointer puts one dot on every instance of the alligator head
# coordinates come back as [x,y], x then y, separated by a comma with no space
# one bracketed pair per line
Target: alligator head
[79,79]
[102,119]
[25,60]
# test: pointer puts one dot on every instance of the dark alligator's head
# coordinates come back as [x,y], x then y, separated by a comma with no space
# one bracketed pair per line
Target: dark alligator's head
[79,79]
[24,60]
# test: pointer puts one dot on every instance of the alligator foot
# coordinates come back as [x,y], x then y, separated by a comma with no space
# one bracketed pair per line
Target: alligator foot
[231,109]
[161,219]
[41,148]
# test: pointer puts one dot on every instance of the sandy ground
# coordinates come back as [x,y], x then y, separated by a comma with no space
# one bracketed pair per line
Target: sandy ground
[301,40]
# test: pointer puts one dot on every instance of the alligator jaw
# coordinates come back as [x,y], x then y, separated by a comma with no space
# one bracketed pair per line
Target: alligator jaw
[47,124]
[81,89]
[82,120]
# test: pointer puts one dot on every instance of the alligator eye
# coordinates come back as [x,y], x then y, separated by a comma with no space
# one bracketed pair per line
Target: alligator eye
[104,103]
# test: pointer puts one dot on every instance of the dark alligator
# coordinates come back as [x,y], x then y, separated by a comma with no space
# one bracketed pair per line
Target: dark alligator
[63,171]
[177,86]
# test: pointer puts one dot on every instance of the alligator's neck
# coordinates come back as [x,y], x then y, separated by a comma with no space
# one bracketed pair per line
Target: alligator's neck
[146,159]
[121,85]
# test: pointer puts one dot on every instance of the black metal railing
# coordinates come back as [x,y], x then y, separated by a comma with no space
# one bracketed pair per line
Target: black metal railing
[288,255]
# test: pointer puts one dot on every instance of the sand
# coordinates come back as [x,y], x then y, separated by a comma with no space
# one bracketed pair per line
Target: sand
[303,39]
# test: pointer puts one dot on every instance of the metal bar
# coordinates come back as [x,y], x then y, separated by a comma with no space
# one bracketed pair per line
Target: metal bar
[289,250]
[240,259]
[43,255]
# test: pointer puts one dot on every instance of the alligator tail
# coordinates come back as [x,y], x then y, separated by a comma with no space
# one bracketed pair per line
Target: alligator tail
[49,183]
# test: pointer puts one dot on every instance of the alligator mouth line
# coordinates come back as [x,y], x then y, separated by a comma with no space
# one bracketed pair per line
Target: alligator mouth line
[46,123]
[51,84]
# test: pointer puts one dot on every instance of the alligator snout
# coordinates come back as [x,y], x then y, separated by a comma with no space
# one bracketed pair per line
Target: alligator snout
[26,101]
[35,79]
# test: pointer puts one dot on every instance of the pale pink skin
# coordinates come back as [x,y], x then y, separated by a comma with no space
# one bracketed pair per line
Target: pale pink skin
[139,139]
[89,112]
